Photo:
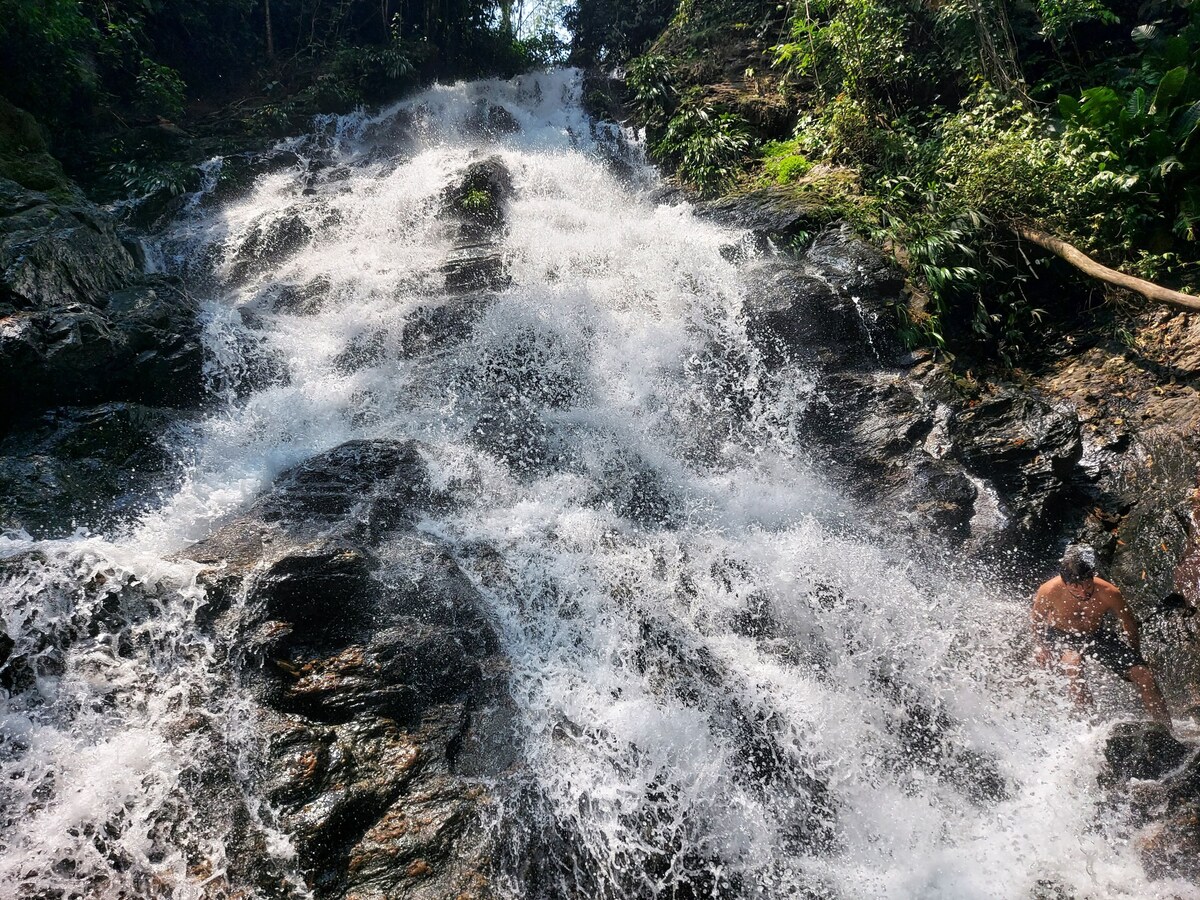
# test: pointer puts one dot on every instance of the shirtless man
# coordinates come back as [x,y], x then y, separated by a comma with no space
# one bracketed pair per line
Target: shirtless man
[1068,612]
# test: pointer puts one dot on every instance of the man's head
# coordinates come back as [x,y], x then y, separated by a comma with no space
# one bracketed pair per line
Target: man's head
[1078,564]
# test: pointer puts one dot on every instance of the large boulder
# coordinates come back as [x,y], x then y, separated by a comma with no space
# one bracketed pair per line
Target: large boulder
[478,199]
[1026,447]
[25,153]
[770,214]
[269,241]
[141,343]
[993,467]
[55,255]
[832,306]
[383,703]
[79,321]
[1156,780]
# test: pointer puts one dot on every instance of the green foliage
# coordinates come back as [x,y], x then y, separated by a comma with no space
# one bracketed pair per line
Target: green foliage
[783,162]
[708,147]
[650,81]
[361,72]
[1059,17]
[845,131]
[476,201]
[859,48]
[142,179]
[1148,141]
[87,64]
[160,90]
[605,33]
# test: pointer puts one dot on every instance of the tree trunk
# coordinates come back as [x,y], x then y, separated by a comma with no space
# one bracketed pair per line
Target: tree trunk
[1089,266]
[270,30]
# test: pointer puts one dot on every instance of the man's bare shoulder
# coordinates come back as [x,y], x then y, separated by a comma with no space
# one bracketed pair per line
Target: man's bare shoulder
[1049,587]
[1109,591]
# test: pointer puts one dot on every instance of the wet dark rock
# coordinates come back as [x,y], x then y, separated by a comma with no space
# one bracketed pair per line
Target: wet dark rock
[795,312]
[852,266]
[1163,800]
[298,299]
[54,254]
[990,469]
[1143,750]
[363,351]
[1026,447]
[81,467]
[162,340]
[805,809]
[259,364]
[928,742]
[441,325]
[392,133]
[529,366]
[79,321]
[238,173]
[383,693]
[161,206]
[772,214]
[476,268]
[636,492]
[479,198]
[24,153]
[492,120]
[144,345]
[269,242]
[516,434]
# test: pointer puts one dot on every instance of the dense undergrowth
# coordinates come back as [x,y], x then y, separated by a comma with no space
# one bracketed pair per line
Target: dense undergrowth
[936,128]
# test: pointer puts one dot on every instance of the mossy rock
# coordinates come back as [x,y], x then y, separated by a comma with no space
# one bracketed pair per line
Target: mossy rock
[24,152]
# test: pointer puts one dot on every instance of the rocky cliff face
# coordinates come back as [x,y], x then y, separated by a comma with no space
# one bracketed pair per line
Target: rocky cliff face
[94,357]
[1099,445]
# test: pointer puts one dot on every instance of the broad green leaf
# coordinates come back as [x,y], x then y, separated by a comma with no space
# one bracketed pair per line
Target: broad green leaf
[1159,143]
[1185,123]
[1168,89]
[1068,107]
[1137,104]
[1168,165]
[1100,106]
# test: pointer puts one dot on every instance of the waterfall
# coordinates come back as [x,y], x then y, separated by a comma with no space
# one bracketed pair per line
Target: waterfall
[729,680]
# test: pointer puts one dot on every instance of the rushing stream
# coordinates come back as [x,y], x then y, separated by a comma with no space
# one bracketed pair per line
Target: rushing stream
[726,676]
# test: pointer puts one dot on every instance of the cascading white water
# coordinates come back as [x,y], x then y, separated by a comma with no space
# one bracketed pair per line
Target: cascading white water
[729,682]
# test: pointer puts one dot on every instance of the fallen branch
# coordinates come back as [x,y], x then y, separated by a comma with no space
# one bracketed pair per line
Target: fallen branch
[1089,266]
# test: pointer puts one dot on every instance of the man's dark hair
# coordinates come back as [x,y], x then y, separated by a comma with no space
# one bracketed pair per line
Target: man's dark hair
[1078,564]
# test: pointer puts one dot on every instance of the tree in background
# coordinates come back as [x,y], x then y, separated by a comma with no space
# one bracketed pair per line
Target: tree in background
[83,65]
[605,33]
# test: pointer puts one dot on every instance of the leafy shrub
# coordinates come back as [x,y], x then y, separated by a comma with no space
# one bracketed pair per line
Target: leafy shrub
[649,79]
[844,131]
[857,47]
[365,71]
[476,201]
[709,147]
[1060,16]
[160,90]
[142,179]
